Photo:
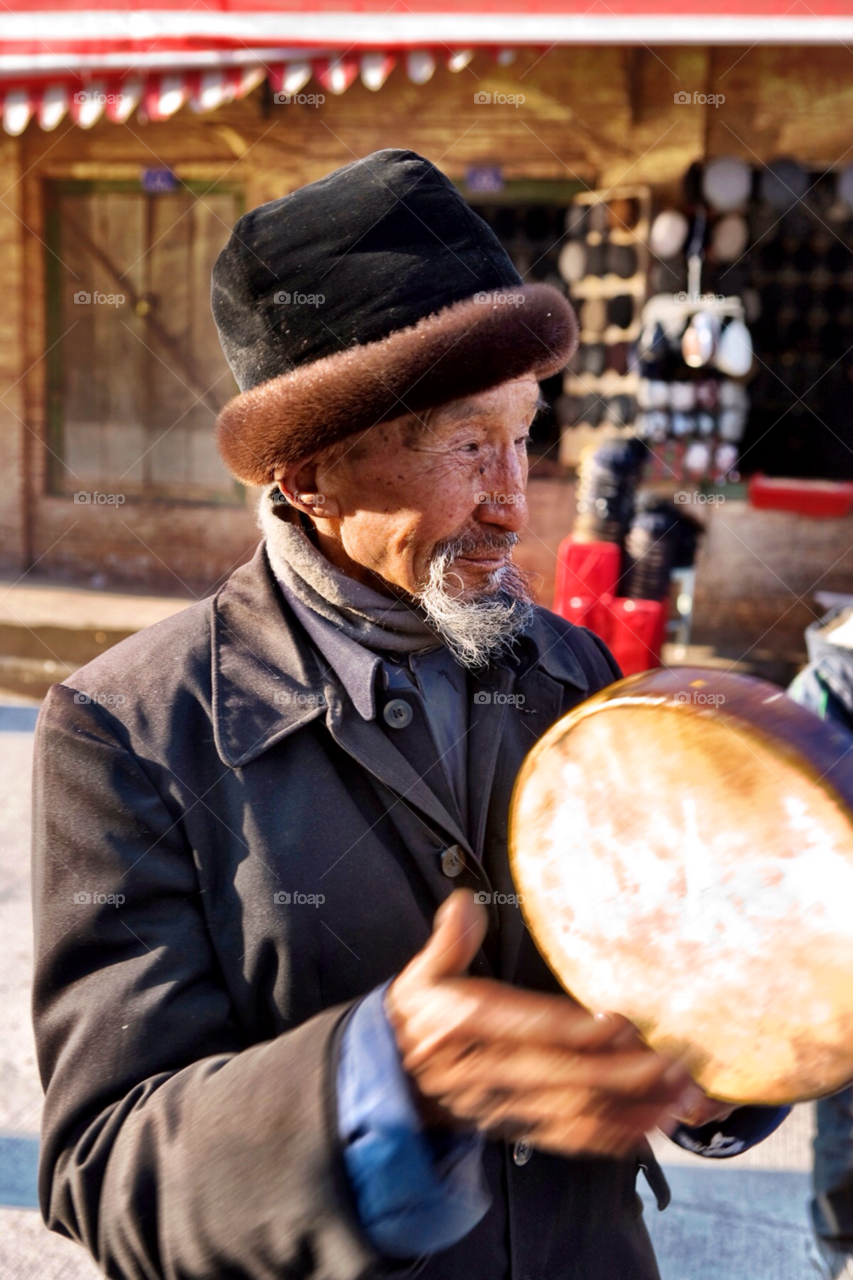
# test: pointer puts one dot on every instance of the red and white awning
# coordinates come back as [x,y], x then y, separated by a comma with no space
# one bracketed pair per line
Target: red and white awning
[84,99]
[84,59]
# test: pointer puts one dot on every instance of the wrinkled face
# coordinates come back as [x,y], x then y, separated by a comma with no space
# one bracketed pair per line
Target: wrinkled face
[398,494]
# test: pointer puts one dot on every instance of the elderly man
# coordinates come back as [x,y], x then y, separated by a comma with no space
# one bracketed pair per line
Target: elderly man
[261,1056]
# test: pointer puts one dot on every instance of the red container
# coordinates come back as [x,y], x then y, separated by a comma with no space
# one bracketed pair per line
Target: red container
[826,498]
[585,569]
[581,610]
[636,633]
[586,611]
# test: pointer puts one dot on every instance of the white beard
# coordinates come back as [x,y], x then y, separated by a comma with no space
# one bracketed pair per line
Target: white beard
[478,627]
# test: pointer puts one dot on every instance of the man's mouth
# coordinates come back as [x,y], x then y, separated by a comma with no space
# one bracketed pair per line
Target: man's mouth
[488,554]
[488,560]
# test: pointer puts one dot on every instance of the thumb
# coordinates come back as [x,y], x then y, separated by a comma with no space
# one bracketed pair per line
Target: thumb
[458,931]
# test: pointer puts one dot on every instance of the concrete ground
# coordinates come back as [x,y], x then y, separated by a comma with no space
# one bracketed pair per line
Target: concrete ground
[741,1219]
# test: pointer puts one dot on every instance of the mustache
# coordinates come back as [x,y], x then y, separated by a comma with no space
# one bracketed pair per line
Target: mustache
[485,540]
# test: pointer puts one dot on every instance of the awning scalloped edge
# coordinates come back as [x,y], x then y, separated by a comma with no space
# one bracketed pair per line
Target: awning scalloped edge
[158,94]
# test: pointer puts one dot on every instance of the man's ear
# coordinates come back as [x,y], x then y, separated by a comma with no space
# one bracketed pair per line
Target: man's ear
[299,485]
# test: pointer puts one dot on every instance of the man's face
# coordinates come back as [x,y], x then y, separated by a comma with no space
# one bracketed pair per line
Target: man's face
[396,494]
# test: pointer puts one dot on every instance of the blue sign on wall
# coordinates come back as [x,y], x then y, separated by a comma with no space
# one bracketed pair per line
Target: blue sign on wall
[158,181]
[484,178]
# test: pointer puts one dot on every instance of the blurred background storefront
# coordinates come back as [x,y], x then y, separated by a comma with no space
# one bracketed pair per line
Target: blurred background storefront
[133,140]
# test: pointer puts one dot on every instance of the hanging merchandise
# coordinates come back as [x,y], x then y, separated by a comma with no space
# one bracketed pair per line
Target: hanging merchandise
[783,184]
[729,238]
[668,233]
[697,459]
[605,495]
[700,338]
[593,315]
[801,273]
[681,394]
[575,223]
[605,264]
[734,350]
[844,188]
[572,262]
[726,184]
[649,552]
[725,461]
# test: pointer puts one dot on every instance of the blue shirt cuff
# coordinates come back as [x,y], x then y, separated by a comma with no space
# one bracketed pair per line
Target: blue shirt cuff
[417,1190]
[745,1128]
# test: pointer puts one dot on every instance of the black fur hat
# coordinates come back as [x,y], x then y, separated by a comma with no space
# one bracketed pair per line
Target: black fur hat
[369,294]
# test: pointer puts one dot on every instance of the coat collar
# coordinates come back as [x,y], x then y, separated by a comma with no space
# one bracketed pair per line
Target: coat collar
[545,642]
[267,682]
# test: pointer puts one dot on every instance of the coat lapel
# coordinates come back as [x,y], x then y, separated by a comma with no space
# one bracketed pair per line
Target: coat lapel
[523,726]
[488,715]
[369,745]
[264,683]
[267,683]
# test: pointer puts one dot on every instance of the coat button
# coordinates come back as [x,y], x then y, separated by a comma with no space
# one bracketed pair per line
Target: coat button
[522,1151]
[397,713]
[453,860]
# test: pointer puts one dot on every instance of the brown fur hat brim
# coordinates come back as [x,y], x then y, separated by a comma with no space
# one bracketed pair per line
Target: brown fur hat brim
[462,350]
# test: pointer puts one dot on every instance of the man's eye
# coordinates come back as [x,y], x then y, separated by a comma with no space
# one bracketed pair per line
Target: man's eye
[471,446]
[524,441]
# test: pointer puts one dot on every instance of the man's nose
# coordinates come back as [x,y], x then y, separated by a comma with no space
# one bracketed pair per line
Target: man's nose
[501,501]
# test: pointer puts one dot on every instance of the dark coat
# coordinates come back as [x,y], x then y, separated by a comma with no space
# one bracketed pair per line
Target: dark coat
[187,1035]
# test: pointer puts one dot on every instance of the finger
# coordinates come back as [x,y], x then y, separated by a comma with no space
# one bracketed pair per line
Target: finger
[459,928]
[536,1110]
[481,1010]
[585,1131]
[638,1074]
[626,1035]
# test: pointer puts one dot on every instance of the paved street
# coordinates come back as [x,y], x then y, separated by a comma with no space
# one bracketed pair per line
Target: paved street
[742,1219]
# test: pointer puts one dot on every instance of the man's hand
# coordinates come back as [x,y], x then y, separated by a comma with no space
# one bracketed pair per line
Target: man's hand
[513,1062]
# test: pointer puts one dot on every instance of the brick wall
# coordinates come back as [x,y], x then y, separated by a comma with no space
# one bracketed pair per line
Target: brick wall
[590,115]
[16,443]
